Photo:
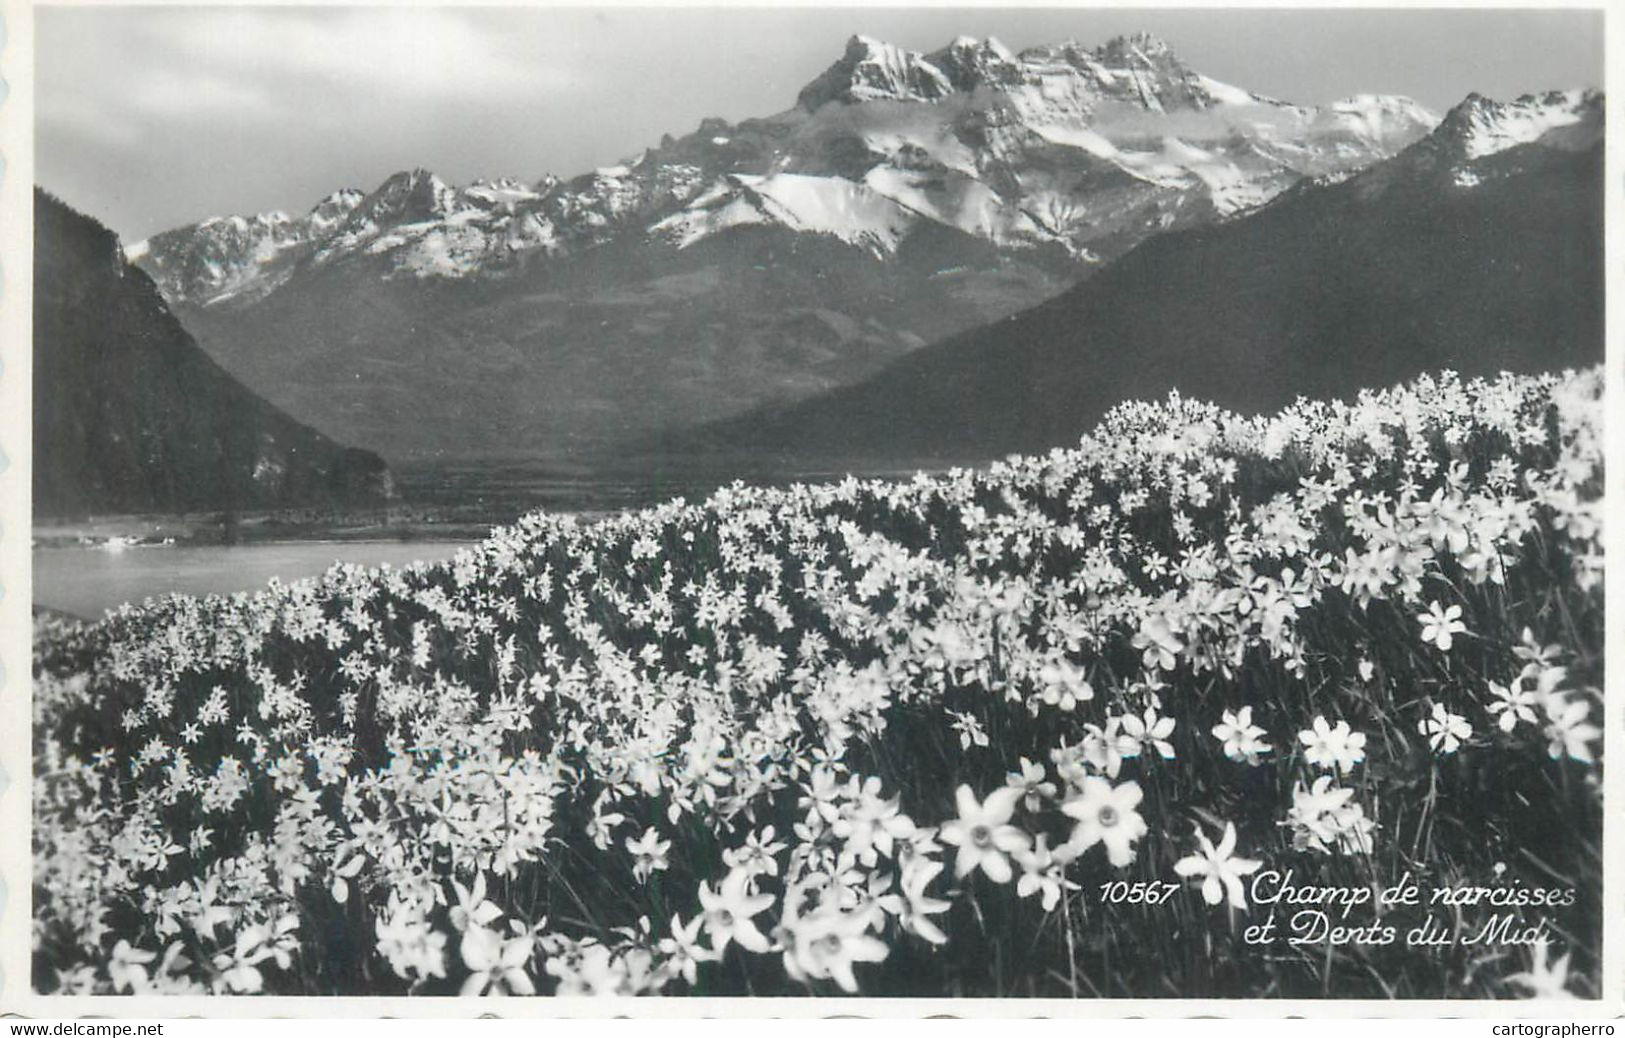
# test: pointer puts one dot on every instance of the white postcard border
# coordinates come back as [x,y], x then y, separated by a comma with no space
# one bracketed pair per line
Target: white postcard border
[16,274]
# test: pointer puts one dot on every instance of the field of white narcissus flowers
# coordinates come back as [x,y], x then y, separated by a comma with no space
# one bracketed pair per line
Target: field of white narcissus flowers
[1076,725]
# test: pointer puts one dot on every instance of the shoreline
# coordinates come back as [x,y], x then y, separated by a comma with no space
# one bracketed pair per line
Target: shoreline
[466,499]
[115,532]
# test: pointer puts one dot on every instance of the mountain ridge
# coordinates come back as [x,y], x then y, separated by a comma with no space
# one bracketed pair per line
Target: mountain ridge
[989,100]
[909,197]
[1478,248]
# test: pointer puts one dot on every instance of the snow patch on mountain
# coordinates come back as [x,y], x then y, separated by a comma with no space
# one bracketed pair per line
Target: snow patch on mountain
[955,199]
[1081,138]
[854,213]
[1225,94]
[505,192]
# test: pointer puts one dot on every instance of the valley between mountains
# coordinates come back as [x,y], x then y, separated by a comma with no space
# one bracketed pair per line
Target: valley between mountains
[927,258]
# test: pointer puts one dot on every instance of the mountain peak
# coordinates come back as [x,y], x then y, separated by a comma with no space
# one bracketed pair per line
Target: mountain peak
[410,178]
[969,62]
[989,46]
[332,210]
[1143,69]
[1480,125]
[872,70]
[1135,48]
[413,194]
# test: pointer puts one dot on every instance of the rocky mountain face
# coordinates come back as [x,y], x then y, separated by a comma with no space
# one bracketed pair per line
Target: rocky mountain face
[902,198]
[131,416]
[1477,249]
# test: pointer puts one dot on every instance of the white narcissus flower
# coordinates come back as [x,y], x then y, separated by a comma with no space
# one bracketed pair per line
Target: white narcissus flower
[1031,780]
[1445,730]
[472,909]
[1328,747]
[947,647]
[1043,871]
[1543,980]
[983,833]
[237,975]
[1243,741]
[1325,818]
[648,854]
[1104,748]
[1161,647]
[342,874]
[825,944]
[127,967]
[1440,625]
[600,826]
[1106,815]
[682,949]
[1150,730]
[414,949]
[496,965]
[1220,870]
[970,730]
[1568,732]
[917,904]
[239,969]
[1064,685]
[870,823]
[1513,703]
[729,910]
[759,853]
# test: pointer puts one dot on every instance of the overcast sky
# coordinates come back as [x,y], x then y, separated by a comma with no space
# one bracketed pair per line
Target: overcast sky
[153,117]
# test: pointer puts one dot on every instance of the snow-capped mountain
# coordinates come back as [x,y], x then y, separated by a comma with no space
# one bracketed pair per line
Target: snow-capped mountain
[1479,126]
[241,257]
[1479,249]
[1481,139]
[905,198]
[1085,150]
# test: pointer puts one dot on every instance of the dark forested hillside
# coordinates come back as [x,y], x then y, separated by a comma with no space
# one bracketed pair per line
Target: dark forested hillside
[1419,264]
[131,416]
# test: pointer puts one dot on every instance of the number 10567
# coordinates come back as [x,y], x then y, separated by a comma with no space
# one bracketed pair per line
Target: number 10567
[1122,892]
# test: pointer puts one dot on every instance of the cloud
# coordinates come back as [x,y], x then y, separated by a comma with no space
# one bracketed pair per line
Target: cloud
[405,52]
[115,74]
[1118,121]
[187,94]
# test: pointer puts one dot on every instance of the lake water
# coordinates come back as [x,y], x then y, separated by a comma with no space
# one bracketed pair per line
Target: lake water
[88,581]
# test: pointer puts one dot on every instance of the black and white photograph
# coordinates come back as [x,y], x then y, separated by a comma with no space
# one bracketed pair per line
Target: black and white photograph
[1068,505]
